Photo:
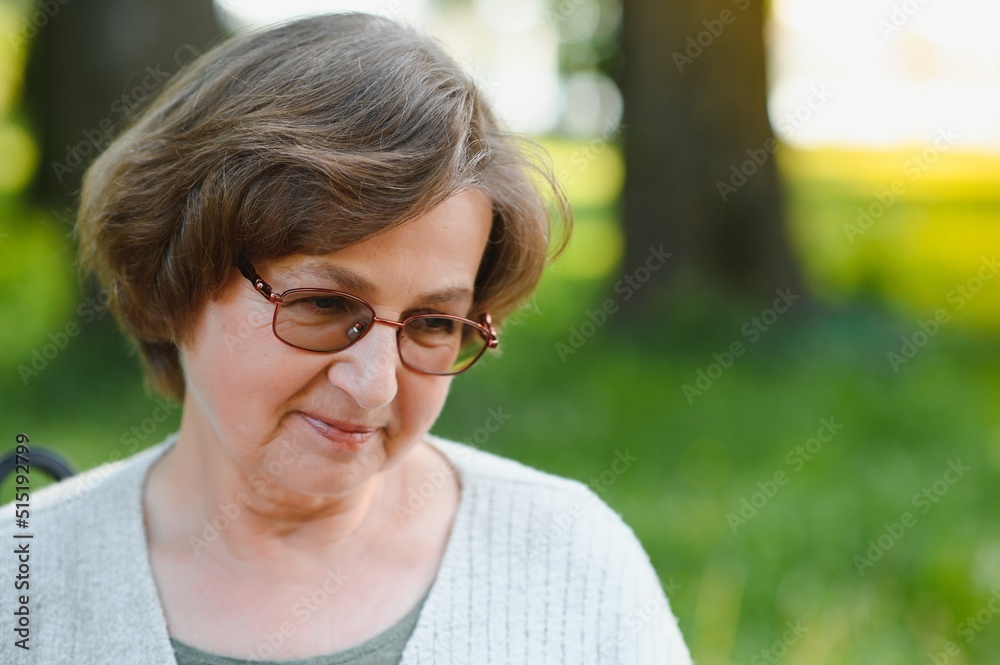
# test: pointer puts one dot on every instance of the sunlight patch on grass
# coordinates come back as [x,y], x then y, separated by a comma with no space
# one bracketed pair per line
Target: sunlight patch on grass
[915,233]
[592,173]
[20,157]
[595,251]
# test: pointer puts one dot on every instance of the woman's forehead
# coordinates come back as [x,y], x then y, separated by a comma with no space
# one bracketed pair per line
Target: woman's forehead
[435,257]
[303,271]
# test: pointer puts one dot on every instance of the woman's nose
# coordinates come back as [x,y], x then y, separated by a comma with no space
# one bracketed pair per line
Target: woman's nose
[367,370]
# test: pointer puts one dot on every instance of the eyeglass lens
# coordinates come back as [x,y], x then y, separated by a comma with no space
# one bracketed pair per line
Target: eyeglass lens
[320,321]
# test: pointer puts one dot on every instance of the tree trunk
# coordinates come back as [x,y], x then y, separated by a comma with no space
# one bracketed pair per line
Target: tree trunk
[91,64]
[701,177]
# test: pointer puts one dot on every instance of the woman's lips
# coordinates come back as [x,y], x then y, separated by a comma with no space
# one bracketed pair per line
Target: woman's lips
[345,434]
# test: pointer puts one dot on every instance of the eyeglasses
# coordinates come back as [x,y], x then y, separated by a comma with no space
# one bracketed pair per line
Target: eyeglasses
[325,321]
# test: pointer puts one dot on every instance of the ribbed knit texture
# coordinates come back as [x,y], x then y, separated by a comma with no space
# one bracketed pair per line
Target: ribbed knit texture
[537,570]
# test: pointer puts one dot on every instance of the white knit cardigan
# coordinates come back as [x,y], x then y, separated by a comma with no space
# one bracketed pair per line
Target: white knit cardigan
[537,570]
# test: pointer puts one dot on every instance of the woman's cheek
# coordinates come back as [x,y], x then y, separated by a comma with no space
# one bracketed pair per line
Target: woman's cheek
[422,400]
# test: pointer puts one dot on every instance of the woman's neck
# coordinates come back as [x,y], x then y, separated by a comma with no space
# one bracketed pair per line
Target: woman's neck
[201,500]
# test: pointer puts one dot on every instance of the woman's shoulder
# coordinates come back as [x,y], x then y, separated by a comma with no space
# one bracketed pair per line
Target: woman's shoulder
[557,555]
[83,543]
[476,464]
[483,472]
[86,497]
[548,510]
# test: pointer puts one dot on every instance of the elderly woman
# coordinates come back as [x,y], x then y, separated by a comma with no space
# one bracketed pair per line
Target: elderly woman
[309,233]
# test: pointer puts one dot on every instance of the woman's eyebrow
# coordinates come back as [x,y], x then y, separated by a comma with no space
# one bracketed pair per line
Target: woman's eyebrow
[451,294]
[355,283]
[344,278]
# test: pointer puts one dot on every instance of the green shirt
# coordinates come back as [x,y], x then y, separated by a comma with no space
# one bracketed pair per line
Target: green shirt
[386,648]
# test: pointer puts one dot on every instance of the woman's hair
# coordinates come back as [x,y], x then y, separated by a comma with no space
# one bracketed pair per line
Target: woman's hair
[305,138]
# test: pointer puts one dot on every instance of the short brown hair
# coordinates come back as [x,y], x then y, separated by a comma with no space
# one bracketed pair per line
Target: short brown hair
[305,138]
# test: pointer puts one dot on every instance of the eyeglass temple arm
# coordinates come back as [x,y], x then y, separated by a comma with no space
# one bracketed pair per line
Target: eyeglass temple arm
[258,282]
[492,341]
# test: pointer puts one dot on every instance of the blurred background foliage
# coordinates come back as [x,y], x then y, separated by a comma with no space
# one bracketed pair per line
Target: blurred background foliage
[72,384]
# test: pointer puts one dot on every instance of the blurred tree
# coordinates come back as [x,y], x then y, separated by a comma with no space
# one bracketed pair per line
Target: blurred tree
[701,176]
[68,78]
[90,65]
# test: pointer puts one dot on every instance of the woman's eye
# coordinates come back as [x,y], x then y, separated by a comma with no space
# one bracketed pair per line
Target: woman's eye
[325,303]
[321,306]
[440,324]
[320,303]
[433,325]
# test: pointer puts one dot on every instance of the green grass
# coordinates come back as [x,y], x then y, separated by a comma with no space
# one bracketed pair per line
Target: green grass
[794,561]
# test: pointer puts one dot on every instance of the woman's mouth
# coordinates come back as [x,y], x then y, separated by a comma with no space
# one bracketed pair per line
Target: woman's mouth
[346,435]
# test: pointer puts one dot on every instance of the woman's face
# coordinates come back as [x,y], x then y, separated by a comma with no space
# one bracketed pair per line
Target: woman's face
[323,424]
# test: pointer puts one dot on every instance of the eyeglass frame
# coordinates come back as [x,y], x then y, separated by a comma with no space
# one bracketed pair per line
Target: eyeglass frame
[264,289]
